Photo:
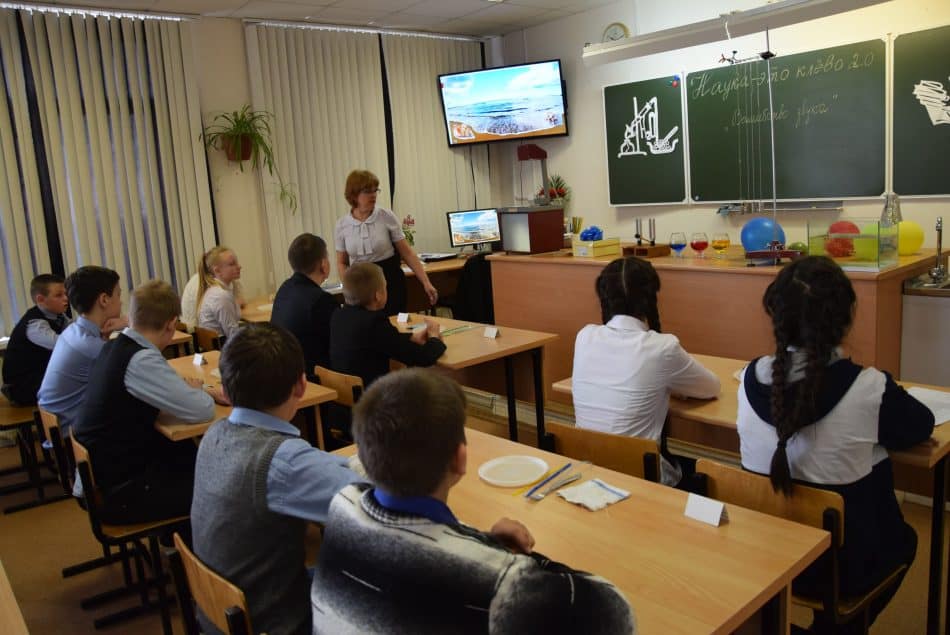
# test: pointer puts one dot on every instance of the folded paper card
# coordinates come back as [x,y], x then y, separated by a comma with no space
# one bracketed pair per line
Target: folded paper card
[199,359]
[593,494]
[402,318]
[706,510]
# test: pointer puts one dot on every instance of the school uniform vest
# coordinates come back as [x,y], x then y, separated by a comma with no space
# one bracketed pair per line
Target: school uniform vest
[24,363]
[117,428]
[239,537]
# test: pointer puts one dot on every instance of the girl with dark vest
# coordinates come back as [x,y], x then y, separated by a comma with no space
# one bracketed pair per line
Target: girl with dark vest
[32,340]
[809,414]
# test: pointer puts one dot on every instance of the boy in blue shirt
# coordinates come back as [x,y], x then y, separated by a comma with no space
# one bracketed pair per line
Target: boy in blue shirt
[33,338]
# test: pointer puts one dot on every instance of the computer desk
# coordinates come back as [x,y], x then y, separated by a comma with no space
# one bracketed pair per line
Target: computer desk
[932,455]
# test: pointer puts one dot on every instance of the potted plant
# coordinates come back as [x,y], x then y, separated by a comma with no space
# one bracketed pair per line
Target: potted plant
[558,191]
[245,135]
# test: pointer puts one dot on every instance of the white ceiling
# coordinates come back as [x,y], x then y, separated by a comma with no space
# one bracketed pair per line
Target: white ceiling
[462,17]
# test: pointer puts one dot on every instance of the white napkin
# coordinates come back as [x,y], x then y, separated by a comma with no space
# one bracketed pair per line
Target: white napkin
[593,494]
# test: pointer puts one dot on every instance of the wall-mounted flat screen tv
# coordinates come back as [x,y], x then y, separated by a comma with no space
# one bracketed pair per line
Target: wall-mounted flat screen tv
[504,103]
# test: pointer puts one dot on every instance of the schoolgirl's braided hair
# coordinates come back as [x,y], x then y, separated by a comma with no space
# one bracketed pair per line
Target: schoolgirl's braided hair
[811,304]
[629,286]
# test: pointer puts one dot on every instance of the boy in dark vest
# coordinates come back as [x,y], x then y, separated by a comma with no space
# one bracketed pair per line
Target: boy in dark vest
[395,559]
[33,338]
[257,483]
[143,475]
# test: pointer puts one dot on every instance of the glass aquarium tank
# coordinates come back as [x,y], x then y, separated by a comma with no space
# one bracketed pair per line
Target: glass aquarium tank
[856,244]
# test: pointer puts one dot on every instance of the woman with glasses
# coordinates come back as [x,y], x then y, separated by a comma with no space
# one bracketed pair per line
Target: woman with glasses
[373,234]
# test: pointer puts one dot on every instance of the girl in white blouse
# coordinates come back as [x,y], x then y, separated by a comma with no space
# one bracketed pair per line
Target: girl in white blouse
[373,234]
[625,369]
[218,309]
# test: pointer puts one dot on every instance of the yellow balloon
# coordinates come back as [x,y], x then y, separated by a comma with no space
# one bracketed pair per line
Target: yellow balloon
[910,237]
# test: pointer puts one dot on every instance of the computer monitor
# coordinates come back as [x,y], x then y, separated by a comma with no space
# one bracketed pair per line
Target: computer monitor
[474,227]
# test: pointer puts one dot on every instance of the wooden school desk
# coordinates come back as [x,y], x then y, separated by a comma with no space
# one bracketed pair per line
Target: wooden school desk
[679,575]
[706,421]
[176,430]
[11,618]
[469,348]
[714,306]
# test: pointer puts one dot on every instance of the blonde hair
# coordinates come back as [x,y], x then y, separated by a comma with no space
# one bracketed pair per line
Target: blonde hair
[357,181]
[361,282]
[153,304]
[206,263]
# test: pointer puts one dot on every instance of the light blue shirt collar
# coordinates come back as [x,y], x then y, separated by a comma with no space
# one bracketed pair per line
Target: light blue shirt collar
[88,325]
[258,419]
[48,314]
[137,337]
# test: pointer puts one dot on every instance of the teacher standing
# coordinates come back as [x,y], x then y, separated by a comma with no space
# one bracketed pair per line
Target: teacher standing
[373,234]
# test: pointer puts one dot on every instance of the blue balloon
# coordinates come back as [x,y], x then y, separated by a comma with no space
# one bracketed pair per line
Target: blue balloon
[759,232]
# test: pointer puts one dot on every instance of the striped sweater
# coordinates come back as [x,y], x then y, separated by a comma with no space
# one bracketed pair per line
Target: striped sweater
[382,571]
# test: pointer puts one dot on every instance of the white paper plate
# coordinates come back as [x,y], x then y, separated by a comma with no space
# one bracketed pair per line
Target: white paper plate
[512,471]
[265,307]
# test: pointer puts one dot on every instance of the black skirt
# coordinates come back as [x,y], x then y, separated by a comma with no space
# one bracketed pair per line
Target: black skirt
[395,284]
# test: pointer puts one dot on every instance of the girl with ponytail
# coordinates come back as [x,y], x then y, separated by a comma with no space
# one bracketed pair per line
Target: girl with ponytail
[625,369]
[218,308]
[811,415]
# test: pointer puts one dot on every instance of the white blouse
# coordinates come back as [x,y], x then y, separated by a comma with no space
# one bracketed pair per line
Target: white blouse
[219,311]
[370,240]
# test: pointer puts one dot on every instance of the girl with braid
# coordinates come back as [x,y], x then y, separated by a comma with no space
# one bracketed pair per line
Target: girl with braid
[626,369]
[808,414]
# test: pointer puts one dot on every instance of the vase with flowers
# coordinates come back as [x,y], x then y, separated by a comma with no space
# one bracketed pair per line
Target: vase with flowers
[558,191]
[408,228]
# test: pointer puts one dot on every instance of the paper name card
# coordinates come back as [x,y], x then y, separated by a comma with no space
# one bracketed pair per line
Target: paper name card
[199,359]
[491,332]
[402,318]
[706,510]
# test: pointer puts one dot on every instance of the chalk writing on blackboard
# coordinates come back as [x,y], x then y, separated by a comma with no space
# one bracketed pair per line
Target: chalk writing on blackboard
[645,128]
[933,96]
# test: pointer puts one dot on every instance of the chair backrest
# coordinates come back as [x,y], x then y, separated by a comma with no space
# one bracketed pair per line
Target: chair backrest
[65,463]
[630,455]
[220,601]
[806,505]
[349,388]
[207,340]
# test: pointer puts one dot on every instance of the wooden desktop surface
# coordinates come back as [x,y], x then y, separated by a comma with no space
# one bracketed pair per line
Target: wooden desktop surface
[470,347]
[11,618]
[723,410]
[680,575]
[176,430]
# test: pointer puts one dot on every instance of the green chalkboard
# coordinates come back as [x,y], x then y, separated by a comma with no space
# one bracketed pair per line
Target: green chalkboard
[828,107]
[922,112]
[644,128]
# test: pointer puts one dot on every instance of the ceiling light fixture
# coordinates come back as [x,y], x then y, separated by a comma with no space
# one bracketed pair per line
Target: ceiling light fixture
[735,24]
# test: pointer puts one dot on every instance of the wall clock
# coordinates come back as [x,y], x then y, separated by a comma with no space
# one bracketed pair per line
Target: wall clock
[616,31]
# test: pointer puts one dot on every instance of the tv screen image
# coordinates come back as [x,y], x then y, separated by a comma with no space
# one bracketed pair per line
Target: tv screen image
[501,104]
[474,227]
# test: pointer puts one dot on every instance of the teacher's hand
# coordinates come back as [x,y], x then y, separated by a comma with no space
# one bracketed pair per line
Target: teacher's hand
[431,292]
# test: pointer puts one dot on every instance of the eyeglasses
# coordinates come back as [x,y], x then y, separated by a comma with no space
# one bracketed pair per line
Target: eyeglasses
[370,190]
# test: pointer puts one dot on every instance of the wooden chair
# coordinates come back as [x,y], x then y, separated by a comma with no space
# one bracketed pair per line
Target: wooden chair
[809,506]
[206,340]
[25,422]
[349,389]
[110,535]
[221,602]
[630,455]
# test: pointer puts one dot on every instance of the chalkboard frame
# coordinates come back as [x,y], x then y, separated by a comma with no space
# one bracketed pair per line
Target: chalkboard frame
[642,88]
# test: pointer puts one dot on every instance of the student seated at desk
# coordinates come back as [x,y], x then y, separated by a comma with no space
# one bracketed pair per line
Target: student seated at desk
[189,299]
[626,369]
[33,338]
[395,559]
[301,306]
[807,414]
[257,482]
[363,340]
[218,308]
[94,292]
[143,475]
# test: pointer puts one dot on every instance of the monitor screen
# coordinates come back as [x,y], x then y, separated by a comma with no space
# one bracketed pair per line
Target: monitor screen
[505,103]
[474,227]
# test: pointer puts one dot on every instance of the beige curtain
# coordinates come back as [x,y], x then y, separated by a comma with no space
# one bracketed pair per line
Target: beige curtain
[324,89]
[118,103]
[431,178]
[23,251]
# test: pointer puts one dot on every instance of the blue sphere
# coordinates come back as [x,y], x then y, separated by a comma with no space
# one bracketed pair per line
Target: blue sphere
[759,232]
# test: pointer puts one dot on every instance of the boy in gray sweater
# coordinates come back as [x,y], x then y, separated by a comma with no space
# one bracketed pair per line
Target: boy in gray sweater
[394,558]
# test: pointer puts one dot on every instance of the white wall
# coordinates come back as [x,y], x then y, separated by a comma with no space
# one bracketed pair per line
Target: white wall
[581,157]
[224,86]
